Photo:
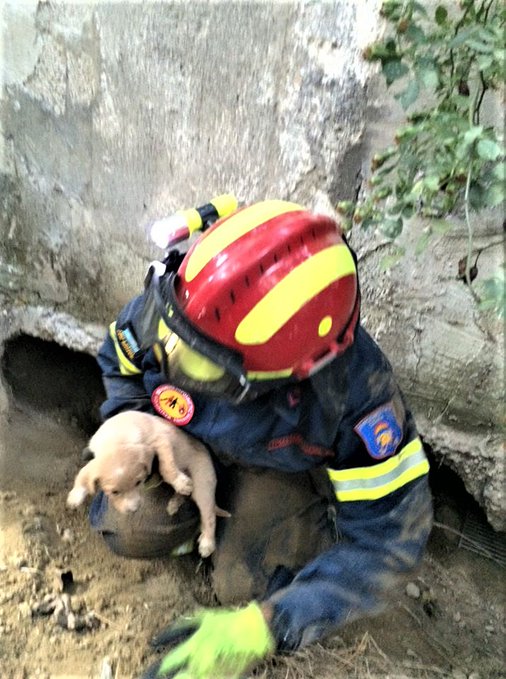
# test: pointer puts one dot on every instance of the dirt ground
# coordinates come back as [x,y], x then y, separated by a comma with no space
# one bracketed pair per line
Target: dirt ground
[70,608]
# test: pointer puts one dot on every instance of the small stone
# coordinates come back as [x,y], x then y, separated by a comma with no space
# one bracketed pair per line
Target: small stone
[412,590]
[489,628]
[67,535]
[457,617]
[458,674]
[71,621]
[474,675]
[25,609]
[18,561]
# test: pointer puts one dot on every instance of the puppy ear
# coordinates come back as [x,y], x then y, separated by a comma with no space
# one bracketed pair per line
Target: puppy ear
[147,457]
[87,454]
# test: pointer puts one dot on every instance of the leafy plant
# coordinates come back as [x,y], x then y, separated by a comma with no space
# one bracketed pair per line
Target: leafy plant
[445,159]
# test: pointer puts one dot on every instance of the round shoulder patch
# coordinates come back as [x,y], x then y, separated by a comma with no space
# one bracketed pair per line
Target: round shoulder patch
[173,404]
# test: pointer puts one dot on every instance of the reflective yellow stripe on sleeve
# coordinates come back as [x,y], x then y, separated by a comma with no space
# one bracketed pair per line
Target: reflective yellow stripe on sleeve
[371,483]
[126,367]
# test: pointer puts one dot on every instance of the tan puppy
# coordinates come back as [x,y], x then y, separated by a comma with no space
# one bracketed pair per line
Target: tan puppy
[124,448]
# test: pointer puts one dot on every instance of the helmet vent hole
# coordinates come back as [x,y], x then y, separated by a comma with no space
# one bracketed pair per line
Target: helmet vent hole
[288,247]
[217,314]
[313,233]
[232,297]
[261,268]
[246,280]
[275,258]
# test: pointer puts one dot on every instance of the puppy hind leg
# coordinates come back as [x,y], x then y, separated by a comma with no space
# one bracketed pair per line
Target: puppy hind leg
[203,496]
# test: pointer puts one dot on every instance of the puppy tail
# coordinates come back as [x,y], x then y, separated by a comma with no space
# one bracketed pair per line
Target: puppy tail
[222,512]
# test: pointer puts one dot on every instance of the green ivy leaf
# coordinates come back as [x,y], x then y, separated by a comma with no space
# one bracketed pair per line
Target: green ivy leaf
[393,69]
[472,134]
[441,15]
[485,61]
[410,94]
[368,223]
[391,260]
[432,183]
[499,172]
[488,149]
[391,228]
[441,226]
[495,194]
[493,294]
[429,76]
[416,35]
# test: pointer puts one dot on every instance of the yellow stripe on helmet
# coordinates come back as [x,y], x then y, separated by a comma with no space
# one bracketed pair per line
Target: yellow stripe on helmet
[232,229]
[258,375]
[296,289]
[371,483]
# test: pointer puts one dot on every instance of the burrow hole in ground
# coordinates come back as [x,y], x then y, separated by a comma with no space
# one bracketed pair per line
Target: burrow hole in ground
[45,377]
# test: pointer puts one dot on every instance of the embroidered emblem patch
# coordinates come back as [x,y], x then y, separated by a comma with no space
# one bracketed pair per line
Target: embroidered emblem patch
[173,404]
[380,431]
[127,341]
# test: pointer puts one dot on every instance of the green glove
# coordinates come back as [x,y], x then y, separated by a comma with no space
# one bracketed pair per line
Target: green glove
[224,644]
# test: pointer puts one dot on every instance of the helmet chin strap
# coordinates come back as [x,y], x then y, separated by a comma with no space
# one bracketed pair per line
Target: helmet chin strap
[331,387]
[244,389]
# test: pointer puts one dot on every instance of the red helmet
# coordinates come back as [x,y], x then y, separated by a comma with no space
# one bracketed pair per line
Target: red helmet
[273,284]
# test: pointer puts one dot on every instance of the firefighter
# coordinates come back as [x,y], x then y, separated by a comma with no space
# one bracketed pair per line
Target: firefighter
[251,341]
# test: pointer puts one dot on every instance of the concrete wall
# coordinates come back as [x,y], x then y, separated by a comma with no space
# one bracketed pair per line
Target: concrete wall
[117,113]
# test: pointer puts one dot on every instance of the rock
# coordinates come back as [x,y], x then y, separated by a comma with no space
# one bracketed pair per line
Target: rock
[458,674]
[67,535]
[25,610]
[106,669]
[412,590]
[18,561]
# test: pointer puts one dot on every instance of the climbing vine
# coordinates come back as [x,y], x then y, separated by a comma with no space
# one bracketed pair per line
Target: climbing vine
[446,159]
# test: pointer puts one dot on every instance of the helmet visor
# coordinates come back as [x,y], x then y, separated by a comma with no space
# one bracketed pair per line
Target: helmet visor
[190,360]
[190,370]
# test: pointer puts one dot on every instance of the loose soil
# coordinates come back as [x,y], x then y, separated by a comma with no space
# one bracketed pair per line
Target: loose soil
[448,623]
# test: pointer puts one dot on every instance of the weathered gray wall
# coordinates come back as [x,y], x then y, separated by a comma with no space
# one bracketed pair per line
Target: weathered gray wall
[114,114]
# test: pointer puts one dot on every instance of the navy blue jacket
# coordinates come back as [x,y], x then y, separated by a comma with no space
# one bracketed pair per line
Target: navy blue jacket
[350,417]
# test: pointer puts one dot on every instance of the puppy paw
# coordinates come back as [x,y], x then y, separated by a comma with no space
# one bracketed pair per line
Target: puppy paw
[183,484]
[76,497]
[207,545]
[174,504]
